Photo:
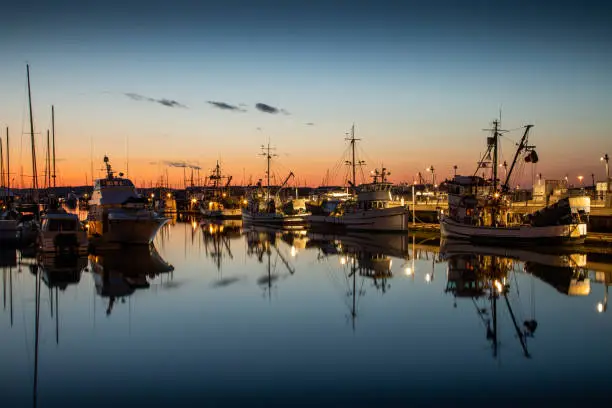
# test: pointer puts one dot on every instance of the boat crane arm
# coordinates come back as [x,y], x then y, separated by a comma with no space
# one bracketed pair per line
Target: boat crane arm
[522,146]
[229,180]
[284,183]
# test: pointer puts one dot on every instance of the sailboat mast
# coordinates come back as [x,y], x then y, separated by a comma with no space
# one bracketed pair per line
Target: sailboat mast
[2,169]
[353,149]
[34,171]
[53,132]
[48,167]
[268,171]
[495,141]
[8,165]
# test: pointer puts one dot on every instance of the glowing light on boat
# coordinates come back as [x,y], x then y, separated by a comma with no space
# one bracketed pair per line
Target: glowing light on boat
[498,286]
[600,307]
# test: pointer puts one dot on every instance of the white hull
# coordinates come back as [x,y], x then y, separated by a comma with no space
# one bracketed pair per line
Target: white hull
[521,235]
[273,219]
[126,229]
[387,219]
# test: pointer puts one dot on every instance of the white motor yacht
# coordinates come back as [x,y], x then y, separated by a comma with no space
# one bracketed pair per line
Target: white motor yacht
[118,214]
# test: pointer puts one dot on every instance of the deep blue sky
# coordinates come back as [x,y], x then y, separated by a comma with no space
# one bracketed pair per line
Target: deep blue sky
[419,79]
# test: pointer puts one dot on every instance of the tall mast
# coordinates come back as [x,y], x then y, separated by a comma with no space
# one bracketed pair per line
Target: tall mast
[268,173]
[266,152]
[8,165]
[34,171]
[53,132]
[353,162]
[48,166]
[353,149]
[495,141]
[2,184]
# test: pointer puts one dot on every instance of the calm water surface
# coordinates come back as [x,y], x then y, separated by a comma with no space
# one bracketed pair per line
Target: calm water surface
[219,316]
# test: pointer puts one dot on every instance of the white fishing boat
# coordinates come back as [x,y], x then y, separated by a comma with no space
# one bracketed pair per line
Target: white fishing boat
[371,209]
[60,232]
[267,209]
[480,210]
[118,214]
[219,204]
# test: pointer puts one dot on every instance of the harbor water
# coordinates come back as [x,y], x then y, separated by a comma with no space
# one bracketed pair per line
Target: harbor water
[217,314]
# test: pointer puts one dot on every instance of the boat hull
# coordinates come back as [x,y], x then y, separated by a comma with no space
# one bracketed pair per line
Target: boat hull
[225,214]
[136,231]
[519,236]
[394,219]
[284,220]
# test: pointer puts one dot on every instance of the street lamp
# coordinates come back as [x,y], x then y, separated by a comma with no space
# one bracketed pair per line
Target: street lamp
[605,158]
[580,180]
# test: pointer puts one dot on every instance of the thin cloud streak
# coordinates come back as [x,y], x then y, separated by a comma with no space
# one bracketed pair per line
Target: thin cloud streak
[226,106]
[171,103]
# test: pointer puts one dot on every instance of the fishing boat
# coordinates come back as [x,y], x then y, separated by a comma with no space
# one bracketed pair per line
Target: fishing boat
[267,209]
[480,209]
[118,214]
[220,204]
[61,232]
[371,208]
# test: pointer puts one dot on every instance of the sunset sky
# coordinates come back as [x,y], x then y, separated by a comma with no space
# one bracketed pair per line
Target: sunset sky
[196,83]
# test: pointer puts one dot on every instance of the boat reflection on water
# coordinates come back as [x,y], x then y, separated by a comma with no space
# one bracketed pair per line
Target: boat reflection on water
[217,236]
[484,278]
[360,258]
[263,242]
[118,273]
[482,274]
[60,271]
[566,272]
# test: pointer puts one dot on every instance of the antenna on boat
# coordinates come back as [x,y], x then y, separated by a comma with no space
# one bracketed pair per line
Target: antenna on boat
[265,151]
[352,162]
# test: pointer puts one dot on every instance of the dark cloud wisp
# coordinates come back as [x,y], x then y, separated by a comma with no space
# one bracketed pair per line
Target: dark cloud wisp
[226,106]
[171,103]
[265,108]
[182,165]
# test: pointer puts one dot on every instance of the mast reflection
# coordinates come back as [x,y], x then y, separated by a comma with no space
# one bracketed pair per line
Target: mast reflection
[263,242]
[217,237]
[363,256]
[484,279]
